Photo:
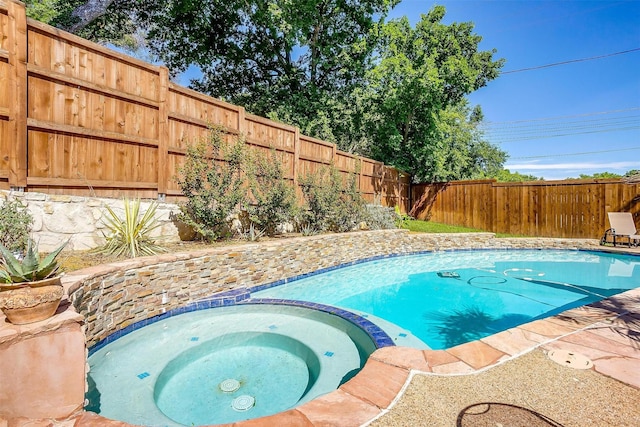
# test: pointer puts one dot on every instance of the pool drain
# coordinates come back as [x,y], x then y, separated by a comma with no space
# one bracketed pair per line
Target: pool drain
[230,385]
[570,359]
[243,403]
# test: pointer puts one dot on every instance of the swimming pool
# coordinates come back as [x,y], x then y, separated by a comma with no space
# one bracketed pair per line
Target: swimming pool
[224,365]
[442,299]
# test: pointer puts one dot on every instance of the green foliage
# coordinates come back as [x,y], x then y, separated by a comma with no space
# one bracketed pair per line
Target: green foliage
[401,220]
[15,225]
[600,175]
[379,217]
[418,87]
[332,204]
[273,198]
[333,68]
[42,10]
[308,230]
[505,175]
[252,234]
[130,236]
[211,179]
[30,268]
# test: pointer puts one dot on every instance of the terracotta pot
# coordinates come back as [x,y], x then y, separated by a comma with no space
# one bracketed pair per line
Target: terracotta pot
[30,302]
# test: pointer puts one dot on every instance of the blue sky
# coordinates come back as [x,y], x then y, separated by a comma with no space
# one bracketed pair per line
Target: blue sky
[594,104]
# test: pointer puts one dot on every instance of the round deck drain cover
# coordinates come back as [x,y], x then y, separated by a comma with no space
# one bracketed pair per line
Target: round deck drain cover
[243,403]
[230,385]
[570,359]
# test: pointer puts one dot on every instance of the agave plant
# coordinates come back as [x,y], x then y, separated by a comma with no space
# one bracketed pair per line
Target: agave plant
[131,236]
[30,268]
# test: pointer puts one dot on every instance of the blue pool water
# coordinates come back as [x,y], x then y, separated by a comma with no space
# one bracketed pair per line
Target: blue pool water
[224,365]
[439,300]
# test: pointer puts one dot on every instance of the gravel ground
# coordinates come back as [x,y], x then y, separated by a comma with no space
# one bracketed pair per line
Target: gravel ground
[528,391]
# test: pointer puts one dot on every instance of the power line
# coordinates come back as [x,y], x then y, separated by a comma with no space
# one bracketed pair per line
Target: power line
[557,135]
[555,64]
[566,117]
[574,154]
[551,127]
[614,121]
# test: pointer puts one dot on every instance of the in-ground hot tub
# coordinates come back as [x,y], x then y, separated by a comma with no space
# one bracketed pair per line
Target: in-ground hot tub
[224,365]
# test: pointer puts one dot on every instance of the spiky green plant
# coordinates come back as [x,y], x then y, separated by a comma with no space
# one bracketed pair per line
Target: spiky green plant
[30,268]
[130,236]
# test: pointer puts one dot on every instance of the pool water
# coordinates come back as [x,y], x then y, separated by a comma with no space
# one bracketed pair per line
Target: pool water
[224,365]
[439,300]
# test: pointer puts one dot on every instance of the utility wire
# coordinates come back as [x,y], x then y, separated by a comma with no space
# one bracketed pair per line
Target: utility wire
[552,127]
[555,64]
[566,117]
[563,126]
[531,137]
[573,154]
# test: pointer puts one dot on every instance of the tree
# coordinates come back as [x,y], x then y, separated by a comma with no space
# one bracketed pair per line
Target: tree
[419,84]
[277,58]
[331,67]
[505,175]
[600,175]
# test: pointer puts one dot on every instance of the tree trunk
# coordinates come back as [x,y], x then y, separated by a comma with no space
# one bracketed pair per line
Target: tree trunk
[87,12]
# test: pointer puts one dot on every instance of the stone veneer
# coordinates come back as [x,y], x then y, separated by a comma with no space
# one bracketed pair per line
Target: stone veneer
[57,218]
[114,296]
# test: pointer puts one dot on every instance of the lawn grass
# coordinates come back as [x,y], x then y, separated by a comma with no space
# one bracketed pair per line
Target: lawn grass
[435,227]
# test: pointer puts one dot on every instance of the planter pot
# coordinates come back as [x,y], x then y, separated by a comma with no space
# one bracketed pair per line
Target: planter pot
[30,302]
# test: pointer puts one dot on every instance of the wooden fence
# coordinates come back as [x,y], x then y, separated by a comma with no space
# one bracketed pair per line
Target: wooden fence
[78,119]
[576,209]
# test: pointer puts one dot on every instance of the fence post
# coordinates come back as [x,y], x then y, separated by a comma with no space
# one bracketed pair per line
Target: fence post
[17,52]
[296,157]
[163,133]
[242,122]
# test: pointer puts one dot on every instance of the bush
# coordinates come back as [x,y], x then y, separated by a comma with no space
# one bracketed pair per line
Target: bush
[273,199]
[380,217]
[15,225]
[331,204]
[211,179]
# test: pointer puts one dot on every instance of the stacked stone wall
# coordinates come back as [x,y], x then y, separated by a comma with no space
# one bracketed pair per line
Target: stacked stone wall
[114,296]
[58,218]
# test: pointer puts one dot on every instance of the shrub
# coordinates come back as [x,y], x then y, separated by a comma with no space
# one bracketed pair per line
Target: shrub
[273,199]
[331,204]
[15,226]
[211,179]
[402,220]
[130,236]
[380,217]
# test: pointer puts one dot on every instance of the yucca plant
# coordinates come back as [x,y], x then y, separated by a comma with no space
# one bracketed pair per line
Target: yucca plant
[131,236]
[252,234]
[30,268]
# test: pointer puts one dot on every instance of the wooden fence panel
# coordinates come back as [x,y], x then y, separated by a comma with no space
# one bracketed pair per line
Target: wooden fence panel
[95,121]
[575,208]
[5,98]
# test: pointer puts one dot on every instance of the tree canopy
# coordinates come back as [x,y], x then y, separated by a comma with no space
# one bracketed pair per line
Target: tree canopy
[334,68]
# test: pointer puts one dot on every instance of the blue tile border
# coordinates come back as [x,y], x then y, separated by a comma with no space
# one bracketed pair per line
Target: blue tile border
[378,336]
